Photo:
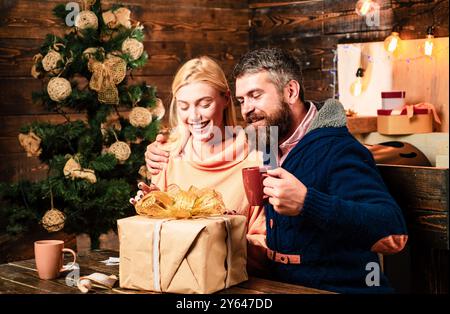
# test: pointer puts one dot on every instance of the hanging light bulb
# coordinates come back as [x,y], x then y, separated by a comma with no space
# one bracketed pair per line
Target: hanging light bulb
[363,7]
[392,41]
[429,42]
[356,87]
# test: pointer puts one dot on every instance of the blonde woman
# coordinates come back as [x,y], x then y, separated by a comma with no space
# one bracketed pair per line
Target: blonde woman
[205,149]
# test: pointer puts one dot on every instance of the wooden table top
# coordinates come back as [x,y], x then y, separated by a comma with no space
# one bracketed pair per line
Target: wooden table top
[22,277]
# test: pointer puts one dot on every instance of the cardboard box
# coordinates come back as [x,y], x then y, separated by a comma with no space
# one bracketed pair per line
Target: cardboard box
[392,123]
[201,255]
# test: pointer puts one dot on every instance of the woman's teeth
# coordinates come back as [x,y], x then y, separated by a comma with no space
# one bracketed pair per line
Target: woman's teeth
[199,126]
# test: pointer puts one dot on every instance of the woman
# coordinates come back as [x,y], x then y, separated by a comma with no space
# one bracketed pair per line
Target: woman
[206,150]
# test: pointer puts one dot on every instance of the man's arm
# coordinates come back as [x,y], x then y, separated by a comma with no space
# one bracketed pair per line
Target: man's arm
[357,204]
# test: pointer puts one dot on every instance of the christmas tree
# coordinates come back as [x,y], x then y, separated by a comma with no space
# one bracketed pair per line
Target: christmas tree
[93,163]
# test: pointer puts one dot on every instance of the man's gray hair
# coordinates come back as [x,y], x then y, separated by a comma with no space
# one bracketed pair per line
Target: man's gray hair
[281,65]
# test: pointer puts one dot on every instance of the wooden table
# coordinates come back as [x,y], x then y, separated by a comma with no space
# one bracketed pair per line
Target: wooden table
[22,277]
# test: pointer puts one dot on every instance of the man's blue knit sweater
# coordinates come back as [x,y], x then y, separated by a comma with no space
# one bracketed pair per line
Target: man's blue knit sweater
[347,210]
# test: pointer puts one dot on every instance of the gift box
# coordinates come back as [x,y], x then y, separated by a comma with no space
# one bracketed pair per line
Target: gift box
[200,255]
[392,100]
[398,122]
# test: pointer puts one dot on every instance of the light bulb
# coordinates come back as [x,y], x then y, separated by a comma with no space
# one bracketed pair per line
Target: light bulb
[356,87]
[429,42]
[391,42]
[363,7]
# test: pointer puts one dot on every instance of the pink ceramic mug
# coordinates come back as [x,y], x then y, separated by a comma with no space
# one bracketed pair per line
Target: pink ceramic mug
[49,258]
[253,184]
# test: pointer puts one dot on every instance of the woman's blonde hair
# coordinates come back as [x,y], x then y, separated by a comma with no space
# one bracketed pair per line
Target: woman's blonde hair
[201,69]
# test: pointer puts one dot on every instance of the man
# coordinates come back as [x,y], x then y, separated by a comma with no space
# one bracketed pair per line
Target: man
[329,212]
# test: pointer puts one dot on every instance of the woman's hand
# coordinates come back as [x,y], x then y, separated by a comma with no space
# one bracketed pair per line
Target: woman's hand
[143,190]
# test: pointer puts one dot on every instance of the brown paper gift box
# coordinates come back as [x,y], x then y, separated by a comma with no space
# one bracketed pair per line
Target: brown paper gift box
[193,255]
[421,122]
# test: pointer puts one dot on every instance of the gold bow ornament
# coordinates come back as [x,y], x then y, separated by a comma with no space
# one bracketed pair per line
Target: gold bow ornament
[106,75]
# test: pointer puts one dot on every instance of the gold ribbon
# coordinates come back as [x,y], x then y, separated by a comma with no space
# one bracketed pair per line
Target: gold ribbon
[176,203]
[106,75]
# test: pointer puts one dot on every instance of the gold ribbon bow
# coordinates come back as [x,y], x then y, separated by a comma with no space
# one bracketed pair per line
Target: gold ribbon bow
[106,75]
[176,203]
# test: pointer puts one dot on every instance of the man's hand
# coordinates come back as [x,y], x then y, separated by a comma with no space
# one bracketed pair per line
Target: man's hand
[286,193]
[155,157]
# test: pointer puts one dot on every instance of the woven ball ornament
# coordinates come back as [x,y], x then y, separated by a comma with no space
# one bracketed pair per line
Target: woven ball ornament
[133,47]
[121,150]
[86,19]
[50,61]
[140,117]
[53,220]
[59,88]
[144,173]
[159,111]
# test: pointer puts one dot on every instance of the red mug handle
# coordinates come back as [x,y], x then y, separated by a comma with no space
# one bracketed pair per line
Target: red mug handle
[68,267]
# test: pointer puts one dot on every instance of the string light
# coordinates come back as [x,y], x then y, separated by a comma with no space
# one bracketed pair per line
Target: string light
[363,7]
[375,59]
[429,42]
[356,87]
[392,41]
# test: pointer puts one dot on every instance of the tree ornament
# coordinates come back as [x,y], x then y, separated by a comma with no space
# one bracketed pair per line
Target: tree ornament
[31,144]
[36,59]
[119,17]
[121,150]
[73,170]
[53,220]
[159,110]
[140,117]
[89,53]
[144,173]
[50,61]
[86,19]
[133,48]
[59,88]
[106,75]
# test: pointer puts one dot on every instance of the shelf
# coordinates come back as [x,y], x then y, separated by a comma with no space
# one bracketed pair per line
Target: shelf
[358,125]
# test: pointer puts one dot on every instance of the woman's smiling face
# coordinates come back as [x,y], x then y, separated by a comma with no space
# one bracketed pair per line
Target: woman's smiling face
[200,108]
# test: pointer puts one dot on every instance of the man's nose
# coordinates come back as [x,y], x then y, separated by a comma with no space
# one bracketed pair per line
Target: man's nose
[246,107]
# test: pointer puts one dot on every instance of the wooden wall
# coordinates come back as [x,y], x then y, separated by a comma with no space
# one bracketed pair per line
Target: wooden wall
[313,28]
[177,30]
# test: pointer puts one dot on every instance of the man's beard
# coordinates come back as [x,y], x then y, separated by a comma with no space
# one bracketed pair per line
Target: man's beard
[282,119]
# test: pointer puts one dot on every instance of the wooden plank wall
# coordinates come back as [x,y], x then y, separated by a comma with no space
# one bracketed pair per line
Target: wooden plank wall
[313,28]
[176,30]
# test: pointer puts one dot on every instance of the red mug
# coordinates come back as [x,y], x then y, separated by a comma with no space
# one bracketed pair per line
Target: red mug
[253,184]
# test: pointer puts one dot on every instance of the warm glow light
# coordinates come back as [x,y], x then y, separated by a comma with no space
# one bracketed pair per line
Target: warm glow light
[356,87]
[429,45]
[391,42]
[363,7]
[429,42]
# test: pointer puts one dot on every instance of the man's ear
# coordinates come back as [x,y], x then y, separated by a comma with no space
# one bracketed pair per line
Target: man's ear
[292,91]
